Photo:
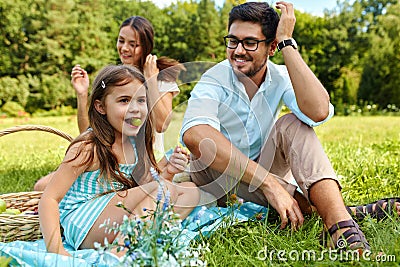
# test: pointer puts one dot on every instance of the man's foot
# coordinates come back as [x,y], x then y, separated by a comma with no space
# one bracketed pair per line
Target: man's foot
[379,210]
[347,235]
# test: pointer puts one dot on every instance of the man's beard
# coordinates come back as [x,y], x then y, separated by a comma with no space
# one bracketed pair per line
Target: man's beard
[252,72]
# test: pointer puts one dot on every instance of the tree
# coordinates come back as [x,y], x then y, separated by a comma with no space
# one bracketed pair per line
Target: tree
[223,21]
[205,36]
[12,38]
[380,77]
[177,38]
[353,48]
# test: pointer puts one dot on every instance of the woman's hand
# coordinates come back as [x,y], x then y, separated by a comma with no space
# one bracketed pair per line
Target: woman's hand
[150,69]
[80,80]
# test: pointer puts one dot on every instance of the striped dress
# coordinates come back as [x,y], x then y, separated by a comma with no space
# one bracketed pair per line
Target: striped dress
[81,206]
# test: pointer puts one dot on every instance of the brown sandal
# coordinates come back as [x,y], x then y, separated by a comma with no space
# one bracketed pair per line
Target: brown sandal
[375,209]
[352,238]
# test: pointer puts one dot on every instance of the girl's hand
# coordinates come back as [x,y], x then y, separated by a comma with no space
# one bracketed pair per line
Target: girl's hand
[177,162]
[80,80]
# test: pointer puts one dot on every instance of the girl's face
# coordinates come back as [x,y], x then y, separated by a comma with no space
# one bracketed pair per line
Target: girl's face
[129,47]
[126,107]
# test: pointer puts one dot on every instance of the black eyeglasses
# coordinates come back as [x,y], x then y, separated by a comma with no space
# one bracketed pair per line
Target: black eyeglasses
[247,43]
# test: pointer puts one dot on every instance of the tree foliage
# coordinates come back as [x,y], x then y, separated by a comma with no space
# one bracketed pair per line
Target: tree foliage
[380,75]
[353,49]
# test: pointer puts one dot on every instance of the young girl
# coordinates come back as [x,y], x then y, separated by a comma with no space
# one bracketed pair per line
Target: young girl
[134,45]
[107,164]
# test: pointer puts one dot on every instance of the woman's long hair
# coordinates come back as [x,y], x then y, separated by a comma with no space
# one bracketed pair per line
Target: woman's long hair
[169,68]
[102,135]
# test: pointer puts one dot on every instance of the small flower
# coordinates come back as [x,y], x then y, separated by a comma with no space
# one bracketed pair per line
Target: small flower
[259,216]
[159,194]
[199,213]
[155,174]
[133,256]
[96,245]
[166,201]
[152,237]
[233,198]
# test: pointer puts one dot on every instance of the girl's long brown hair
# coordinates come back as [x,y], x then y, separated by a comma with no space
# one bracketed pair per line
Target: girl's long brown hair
[101,137]
[169,68]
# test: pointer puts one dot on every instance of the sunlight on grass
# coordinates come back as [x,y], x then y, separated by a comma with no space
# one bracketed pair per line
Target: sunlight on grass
[26,156]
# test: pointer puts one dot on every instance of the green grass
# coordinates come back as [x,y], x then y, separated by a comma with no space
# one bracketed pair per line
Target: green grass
[365,152]
[27,156]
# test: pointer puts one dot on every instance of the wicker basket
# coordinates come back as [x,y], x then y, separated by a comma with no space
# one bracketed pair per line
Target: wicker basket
[24,226]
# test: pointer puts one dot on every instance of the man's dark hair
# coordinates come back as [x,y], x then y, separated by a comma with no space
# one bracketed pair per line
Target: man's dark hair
[256,12]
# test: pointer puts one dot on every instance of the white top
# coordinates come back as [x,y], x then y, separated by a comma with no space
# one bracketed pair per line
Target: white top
[158,145]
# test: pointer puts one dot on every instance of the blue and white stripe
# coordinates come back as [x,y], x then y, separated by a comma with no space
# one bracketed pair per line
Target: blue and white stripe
[82,205]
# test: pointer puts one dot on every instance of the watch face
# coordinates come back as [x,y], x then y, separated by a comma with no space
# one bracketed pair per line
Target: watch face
[287,42]
[294,44]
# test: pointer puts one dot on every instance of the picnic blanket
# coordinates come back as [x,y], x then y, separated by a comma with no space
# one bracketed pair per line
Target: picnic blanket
[27,253]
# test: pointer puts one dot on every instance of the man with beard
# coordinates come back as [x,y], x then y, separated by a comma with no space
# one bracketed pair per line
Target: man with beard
[239,145]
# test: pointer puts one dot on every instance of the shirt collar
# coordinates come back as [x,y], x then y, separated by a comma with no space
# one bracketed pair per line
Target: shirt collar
[268,80]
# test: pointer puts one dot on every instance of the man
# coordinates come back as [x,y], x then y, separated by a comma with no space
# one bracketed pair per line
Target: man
[236,141]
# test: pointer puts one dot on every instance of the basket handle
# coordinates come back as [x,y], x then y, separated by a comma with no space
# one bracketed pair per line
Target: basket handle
[30,127]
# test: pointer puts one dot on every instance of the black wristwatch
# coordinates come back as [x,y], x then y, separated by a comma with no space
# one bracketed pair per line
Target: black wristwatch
[287,42]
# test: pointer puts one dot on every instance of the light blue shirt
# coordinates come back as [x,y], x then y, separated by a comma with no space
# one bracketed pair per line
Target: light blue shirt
[220,100]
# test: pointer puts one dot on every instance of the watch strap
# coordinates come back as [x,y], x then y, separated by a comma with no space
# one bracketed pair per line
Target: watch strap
[284,43]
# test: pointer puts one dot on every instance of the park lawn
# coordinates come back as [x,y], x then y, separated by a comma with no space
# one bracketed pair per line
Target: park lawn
[365,152]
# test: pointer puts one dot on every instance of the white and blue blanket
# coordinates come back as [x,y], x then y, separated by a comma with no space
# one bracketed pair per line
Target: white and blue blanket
[26,253]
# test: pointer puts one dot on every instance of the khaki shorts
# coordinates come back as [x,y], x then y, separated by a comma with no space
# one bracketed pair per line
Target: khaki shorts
[292,153]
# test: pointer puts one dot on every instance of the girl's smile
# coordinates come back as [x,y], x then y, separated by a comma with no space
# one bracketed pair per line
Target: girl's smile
[126,107]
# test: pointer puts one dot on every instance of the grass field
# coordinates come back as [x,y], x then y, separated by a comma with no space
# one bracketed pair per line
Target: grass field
[365,152]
